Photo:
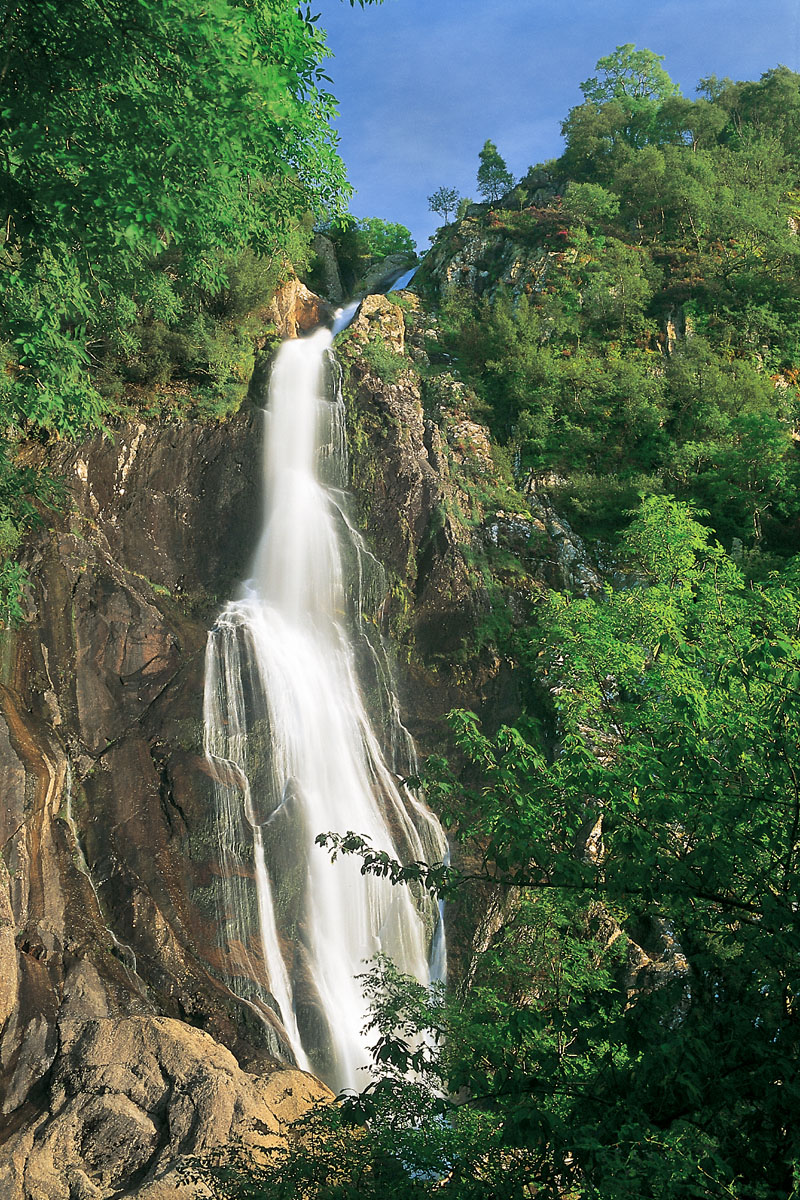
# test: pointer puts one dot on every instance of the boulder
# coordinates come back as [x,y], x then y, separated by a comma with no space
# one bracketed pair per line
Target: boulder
[129,1098]
[294,309]
[378,315]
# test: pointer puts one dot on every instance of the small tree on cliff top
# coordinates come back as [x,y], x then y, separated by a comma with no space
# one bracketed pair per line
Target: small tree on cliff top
[443,201]
[494,177]
[622,102]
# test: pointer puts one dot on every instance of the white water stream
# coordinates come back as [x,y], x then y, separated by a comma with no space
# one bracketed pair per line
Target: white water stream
[294,752]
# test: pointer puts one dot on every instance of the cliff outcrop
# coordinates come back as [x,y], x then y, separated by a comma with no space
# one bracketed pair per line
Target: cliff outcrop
[481,254]
[408,466]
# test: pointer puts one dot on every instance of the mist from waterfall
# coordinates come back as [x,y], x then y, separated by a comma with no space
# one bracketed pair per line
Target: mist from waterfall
[294,753]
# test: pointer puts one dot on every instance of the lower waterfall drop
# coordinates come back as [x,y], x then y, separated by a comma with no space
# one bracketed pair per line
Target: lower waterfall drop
[293,752]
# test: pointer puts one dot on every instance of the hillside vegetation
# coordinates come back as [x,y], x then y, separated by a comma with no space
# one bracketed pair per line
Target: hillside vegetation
[162,167]
[653,345]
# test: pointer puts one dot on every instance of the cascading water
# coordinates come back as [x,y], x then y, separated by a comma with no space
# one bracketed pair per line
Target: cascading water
[294,754]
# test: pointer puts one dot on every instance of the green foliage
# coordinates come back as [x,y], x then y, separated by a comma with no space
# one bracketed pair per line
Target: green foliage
[21,490]
[553,400]
[13,578]
[128,132]
[360,242]
[386,364]
[444,201]
[630,75]
[633,1030]
[385,237]
[657,346]
[590,203]
[494,178]
[161,166]
[623,102]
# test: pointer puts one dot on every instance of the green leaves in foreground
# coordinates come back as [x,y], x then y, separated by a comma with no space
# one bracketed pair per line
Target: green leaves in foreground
[130,128]
[148,148]
[632,1030]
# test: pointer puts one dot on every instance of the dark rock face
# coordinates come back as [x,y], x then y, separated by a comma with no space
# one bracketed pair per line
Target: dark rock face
[401,481]
[329,268]
[381,275]
[109,857]
[405,476]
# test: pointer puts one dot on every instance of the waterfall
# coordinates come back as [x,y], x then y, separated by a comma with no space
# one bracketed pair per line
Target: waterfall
[293,752]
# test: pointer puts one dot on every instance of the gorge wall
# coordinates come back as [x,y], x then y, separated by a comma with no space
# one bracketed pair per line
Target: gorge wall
[115,1013]
[124,1041]
[122,1044]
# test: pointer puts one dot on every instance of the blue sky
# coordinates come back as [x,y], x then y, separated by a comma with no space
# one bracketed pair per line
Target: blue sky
[422,84]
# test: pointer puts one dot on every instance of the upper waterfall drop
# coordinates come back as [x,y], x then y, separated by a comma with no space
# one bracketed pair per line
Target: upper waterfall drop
[294,752]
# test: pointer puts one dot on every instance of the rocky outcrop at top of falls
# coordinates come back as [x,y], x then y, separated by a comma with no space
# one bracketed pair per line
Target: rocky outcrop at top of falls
[480,255]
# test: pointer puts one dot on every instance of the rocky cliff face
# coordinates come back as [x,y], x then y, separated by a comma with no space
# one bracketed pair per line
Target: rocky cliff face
[124,1041]
[480,254]
[405,470]
[111,961]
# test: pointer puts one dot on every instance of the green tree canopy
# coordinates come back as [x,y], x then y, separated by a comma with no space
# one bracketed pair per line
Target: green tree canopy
[621,105]
[131,129]
[634,1031]
[444,201]
[385,237]
[634,77]
[494,178]
[160,165]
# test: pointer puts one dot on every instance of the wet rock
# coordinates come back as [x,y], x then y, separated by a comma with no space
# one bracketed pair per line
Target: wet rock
[141,493]
[381,275]
[399,475]
[110,948]
[329,267]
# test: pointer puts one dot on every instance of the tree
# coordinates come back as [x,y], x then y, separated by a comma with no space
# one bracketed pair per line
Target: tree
[128,129]
[590,203]
[134,129]
[632,76]
[494,178]
[444,201]
[146,148]
[644,1036]
[621,104]
[385,237]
